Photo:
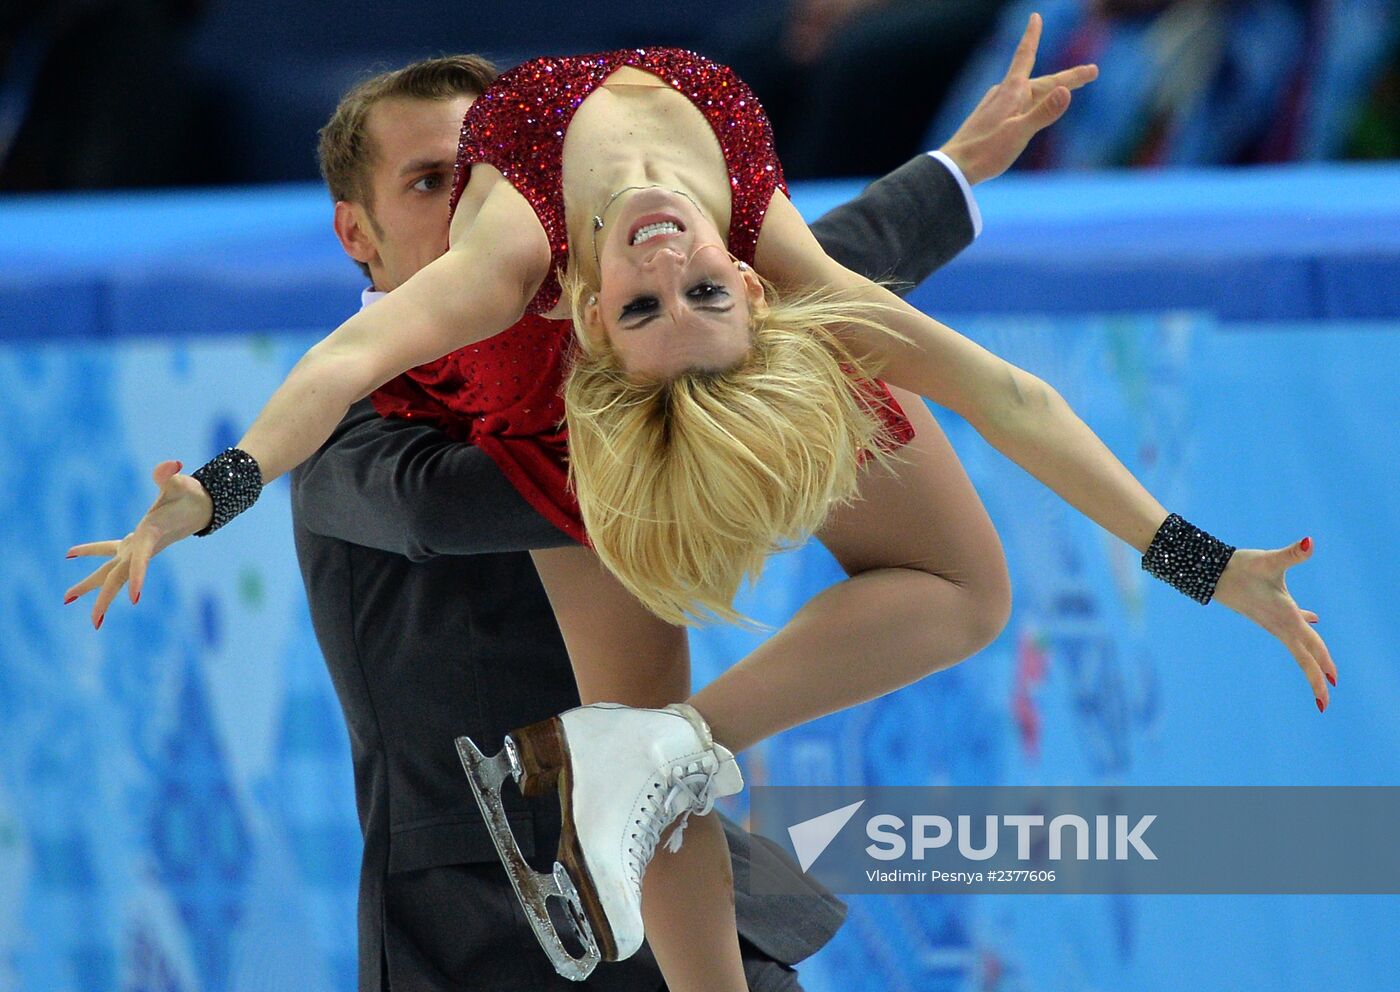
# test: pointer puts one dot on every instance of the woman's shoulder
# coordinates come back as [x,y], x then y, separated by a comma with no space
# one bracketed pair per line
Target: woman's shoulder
[788,254]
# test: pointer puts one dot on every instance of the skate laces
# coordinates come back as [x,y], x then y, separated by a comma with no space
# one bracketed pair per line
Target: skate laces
[688,782]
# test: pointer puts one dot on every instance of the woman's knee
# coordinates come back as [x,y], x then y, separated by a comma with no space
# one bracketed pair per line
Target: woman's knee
[991,611]
[982,582]
[986,581]
[981,611]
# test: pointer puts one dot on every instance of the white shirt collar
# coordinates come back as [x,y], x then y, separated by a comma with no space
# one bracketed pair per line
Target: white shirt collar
[369,295]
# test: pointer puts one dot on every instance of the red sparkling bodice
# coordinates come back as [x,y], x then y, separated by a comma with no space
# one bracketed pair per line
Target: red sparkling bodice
[518,126]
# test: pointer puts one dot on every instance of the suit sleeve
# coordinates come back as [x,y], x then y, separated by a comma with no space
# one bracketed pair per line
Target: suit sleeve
[903,227]
[408,488]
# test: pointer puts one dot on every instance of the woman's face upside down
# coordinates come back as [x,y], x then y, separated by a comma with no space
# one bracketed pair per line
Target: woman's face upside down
[671,299]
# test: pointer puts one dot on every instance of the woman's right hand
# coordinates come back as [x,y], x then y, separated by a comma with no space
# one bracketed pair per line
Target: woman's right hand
[182,508]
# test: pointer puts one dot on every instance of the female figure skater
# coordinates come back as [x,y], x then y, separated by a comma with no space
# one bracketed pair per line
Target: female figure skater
[712,415]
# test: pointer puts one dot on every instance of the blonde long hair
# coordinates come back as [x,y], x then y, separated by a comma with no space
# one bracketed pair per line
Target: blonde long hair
[687,486]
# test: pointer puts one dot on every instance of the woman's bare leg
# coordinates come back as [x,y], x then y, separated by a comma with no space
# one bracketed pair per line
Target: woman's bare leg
[621,653]
[928,587]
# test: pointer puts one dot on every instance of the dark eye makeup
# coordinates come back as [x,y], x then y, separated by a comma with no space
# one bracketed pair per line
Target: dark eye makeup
[704,291]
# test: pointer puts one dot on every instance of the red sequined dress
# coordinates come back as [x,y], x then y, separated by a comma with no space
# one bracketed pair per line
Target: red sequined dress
[502,394]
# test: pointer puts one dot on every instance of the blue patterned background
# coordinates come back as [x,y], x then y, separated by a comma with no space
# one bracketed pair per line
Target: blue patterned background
[175,793]
[176,805]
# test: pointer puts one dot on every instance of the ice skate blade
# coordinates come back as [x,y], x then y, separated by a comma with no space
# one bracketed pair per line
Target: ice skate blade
[533,888]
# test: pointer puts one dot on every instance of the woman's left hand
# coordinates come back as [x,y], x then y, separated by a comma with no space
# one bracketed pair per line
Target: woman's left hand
[182,508]
[1253,585]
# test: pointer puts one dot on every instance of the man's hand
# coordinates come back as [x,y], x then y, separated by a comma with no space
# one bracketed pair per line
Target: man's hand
[1013,111]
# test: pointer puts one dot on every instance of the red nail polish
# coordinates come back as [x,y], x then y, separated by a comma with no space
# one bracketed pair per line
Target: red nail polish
[104,617]
[1306,543]
[1312,621]
[1331,679]
[1320,707]
[69,600]
[136,600]
[70,555]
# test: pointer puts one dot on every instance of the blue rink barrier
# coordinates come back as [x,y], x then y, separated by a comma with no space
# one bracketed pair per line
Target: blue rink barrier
[1271,243]
[176,806]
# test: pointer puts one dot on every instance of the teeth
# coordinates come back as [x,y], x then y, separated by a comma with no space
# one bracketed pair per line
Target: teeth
[652,230]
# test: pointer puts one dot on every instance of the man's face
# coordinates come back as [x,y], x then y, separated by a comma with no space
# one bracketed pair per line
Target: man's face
[404,227]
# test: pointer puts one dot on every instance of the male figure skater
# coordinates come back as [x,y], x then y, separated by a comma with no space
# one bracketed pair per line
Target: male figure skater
[413,549]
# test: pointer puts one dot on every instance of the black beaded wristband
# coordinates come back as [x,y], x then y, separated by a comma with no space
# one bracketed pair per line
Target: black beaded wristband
[1187,557]
[233,481]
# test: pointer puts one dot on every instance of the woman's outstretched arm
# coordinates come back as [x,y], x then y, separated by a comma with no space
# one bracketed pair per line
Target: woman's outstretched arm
[1027,420]
[1017,412]
[478,288]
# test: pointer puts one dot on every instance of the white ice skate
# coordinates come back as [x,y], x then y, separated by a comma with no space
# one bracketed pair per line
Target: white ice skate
[623,775]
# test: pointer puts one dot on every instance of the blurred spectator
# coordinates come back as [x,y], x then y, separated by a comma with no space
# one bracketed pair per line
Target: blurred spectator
[92,94]
[106,93]
[1377,131]
[851,85]
[1196,82]
[1183,81]
[1341,108]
